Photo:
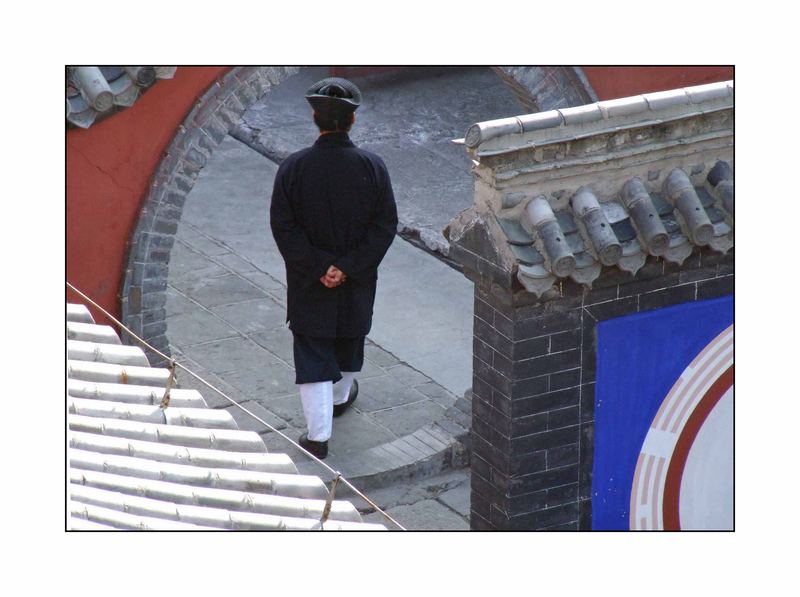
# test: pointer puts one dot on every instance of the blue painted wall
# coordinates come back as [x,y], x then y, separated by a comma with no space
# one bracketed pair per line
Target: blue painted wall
[639,358]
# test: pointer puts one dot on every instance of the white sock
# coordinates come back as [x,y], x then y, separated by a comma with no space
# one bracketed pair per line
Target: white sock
[317,399]
[341,389]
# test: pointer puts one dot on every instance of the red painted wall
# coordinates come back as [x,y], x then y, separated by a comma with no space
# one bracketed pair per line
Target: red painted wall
[109,168]
[611,82]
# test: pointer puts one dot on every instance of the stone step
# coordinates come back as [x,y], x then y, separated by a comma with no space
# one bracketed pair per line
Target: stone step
[430,450]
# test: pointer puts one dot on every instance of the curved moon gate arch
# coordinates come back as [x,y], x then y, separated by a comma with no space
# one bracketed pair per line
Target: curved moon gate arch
[144,285]
[216,113]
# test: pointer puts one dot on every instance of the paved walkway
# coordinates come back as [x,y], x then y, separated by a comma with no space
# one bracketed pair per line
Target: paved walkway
[409,117]
[225,320]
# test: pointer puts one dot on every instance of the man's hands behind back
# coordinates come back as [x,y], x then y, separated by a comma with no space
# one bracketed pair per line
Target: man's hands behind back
[333,277]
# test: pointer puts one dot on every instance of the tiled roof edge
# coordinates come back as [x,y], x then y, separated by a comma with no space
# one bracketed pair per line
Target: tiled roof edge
[519,132]
[98,97]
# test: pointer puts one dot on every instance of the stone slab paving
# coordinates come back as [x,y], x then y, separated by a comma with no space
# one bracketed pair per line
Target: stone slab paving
[423,308]
[409,117]
[436,503]
[225,320]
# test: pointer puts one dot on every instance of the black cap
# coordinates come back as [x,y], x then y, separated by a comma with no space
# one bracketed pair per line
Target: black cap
[334,98]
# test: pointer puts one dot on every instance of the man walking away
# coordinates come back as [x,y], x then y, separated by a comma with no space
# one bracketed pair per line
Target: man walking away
[333,216]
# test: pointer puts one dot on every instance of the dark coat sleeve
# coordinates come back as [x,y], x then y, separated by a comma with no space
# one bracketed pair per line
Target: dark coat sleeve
[298,253]
[362,261]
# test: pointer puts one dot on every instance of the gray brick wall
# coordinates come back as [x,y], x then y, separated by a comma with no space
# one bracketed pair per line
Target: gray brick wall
[145,278]
[533,387]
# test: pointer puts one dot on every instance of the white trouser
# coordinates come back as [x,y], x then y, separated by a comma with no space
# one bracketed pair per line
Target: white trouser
[318,400]
[341,389]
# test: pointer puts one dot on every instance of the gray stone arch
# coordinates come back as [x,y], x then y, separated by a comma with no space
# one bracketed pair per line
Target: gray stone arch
[543,88]
[215,113]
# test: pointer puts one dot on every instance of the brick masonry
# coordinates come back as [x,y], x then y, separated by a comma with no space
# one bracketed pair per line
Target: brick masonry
[542,88]
[533,386]
[206,125]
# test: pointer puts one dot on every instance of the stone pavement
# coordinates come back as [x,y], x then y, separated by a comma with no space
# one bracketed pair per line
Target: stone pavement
[225,321]
[437,503]
[409,117]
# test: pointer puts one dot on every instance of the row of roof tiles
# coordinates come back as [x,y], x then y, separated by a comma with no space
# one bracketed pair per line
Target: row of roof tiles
[134,465]
[577,242]
[93,91]
[553,126]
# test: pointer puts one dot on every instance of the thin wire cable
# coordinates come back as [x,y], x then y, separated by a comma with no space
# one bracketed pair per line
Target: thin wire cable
[337,475]
[170,381]
[329,502]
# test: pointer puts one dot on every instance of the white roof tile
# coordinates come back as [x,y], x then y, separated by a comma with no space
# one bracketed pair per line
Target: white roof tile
[133,465]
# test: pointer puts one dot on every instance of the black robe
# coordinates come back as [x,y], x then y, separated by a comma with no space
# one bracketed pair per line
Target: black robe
[332,204]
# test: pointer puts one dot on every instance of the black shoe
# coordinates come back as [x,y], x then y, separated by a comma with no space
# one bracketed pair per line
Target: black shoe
[318,449]
[338,409]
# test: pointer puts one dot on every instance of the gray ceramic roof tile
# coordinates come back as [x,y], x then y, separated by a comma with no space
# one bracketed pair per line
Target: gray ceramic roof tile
[541,120]
[704,93]
[135,465]
[581,114]
[663,207]
[670,224]
[535,269]
[721,228]
[566,244]
[706,200]
[506,135]
[566,221]
[510,200]
[714,214]
[614,211]
[515,233]
[575,242]
[631,247]
[661,100]
[583,260]
[625,106]
[624,230]
[527,254]
[721,171]
[95,92]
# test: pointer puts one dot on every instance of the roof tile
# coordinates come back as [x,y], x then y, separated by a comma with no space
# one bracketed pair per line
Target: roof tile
[625,106]
[572,242]
[134,465]
[624,230]
[515,232]
[541,120]
[581,114]
[661,100]
[526,254]
[705,93]
[662,207]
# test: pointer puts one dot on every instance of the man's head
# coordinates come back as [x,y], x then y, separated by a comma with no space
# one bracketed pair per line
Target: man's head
[335,101]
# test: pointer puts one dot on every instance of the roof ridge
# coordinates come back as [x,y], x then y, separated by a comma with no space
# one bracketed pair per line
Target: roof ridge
[579,121]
